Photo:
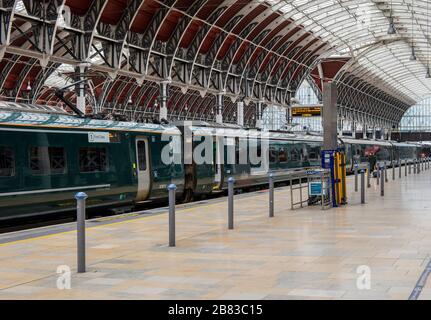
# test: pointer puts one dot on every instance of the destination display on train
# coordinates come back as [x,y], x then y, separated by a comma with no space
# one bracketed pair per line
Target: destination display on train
[306,111]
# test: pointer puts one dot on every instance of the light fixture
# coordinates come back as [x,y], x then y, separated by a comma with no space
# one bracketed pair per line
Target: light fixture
[28,85]
[130,100]
[392,29]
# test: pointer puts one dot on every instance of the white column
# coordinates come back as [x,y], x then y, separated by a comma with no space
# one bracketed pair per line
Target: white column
[240,113]
[163,114]
[80,90]
[259,115]
[220,103]
[354,129]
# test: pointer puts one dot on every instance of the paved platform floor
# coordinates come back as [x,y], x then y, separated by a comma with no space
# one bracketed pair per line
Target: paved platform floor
[301,254]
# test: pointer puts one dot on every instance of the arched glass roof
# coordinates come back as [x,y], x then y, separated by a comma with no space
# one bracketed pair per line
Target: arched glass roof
[359,28]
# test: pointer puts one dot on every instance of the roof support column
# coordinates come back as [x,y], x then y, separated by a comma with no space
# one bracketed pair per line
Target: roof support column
[220,104]
[289,114]
[80,87]
[240,113]
[329,115]
[364,131]
[340,122]
[259,115]
[353,126]
[163,115]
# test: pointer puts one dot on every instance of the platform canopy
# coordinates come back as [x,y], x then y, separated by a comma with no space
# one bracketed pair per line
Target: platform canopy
[210,54]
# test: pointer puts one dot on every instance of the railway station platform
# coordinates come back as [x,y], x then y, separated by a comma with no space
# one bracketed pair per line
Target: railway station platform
[301,254]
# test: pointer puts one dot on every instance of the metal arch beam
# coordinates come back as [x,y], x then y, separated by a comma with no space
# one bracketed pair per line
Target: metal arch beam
[7,69]
[244,60]
[256,24]
[40,79]
[209,108]
[150,35]
[144,86]
[310,63]
[226,61]
[191,97]
[141,93]
[287,54]
[22,76]
[210,57]
[280,41]
[119,88]
[45,31]
[304,58]
[129,94]
[175,101]
[198,107]
[148,92]
[173,44]
[153,94]
[82,42]
[113,50]
[193,50]
[6,17]
[41,76]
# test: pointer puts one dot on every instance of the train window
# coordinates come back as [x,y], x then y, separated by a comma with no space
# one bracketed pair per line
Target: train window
[7,162]
[47,160]
[142,158]
[272,155]
[294,154]
[93,160]
[282,155]
[314,153]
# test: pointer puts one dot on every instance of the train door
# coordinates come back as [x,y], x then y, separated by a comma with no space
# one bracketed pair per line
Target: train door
[143,168]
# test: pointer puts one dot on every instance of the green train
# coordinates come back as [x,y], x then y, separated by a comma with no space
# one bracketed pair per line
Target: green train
[48,155]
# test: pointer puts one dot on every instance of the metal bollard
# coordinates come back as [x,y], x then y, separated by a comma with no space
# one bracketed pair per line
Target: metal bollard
[410,167]
[230,181]
[362,186]
[414,166]
[378,175]
[356,177]
[386,173]
[393,170]
[399,169]
[405,168]
[382,183]
[172,187]
[418,170]
[369,176]
[271,195]
[80,218]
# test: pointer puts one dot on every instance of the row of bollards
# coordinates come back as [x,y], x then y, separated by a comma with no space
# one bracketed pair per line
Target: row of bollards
[418,165]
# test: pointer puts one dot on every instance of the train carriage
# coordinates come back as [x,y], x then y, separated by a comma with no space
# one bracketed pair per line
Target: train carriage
[47,155]
[46,158]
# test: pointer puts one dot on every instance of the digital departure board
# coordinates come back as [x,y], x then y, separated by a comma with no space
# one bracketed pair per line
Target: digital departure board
[306,111]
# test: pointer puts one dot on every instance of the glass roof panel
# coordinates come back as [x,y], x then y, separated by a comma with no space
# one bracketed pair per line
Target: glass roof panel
[360,27]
